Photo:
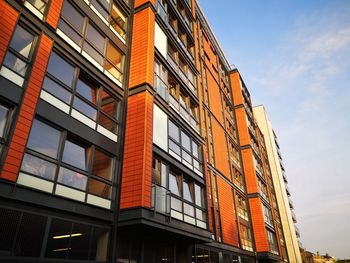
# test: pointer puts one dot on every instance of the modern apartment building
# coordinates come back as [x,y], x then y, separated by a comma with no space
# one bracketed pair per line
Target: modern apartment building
[63,94]
[127,137]
[284,202]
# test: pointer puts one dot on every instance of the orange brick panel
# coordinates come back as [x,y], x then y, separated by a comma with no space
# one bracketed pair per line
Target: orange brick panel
[259,229]
[236,88]
[214,98]
[142,49]
[220,150]
[249,171]
[141,2]
[137,167]
[26,114]
[242,126]
[227,214]
[8,19]
[54,13]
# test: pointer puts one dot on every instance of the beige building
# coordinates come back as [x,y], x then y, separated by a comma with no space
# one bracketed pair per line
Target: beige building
[285,204]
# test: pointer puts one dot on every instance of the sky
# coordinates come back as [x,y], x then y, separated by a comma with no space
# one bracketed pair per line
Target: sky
[294,56]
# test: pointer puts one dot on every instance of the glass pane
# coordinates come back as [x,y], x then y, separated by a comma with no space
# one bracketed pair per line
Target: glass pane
[85,108]
[173,184]
[118,21]
[199,195]
[44,139]
[39,167]
[99,188]
[58,240]
[176,204]
[99,244]
[70,32]
[156,171]
[75,155]
[3,119]
[195,149]
[115,56]
[95,38]
[174,147]
[72,178]
[101,8]
[22,41]
[72,16]
[113,70]
[174,131]
[39,4]
[188,192]
[16,64]
[93,53]
[186,157]
[110,105]
[189,210]
[80,241]
[102,165]
[57,90]
[108,123]
[87,89]
[60,69]
[185,141]
[201,215]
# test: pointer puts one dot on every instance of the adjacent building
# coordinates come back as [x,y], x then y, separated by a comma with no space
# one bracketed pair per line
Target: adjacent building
[127,137]
[284,202]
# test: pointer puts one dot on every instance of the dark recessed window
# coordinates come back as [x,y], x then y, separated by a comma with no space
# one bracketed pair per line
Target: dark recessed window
[44,139]
[4,118]
[58,240]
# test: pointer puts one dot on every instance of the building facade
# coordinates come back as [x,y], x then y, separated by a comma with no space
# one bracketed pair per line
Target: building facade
[283,195]
[127,137]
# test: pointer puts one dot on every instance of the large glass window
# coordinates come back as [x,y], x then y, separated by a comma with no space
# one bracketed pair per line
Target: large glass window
[44,139]
[53,156]
[94,45]
[271,236]
[100,107]
[185,148]
[182,198]
[5,120]
[18,56]
[246,237]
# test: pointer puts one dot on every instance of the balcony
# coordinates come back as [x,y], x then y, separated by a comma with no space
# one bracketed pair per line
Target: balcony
[291,205]
[164,202]
[287,190]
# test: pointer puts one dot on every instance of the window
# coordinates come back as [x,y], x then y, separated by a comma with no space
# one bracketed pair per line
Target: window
[187,150]
[94,45]
[181,198]
[18,56]
[5,120]
[268,215]
[242,207]
[246,237]
[272,242]
[38,7]
[77,169]
[87,102]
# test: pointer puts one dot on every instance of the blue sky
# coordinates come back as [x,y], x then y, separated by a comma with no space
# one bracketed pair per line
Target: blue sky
[294,57]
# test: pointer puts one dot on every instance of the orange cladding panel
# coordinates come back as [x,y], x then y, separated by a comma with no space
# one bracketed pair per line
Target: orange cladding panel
[27,112]
[249,171]
[141,2]
[236,88]
[142,49]
[220,149]
[227,213]
[137,166]
[259,229]
[242,126]
[54,13]
[214,98]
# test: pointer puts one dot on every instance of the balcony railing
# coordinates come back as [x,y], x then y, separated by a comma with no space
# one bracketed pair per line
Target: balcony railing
[294,217]
[297,232]
[166,203]
[291,205]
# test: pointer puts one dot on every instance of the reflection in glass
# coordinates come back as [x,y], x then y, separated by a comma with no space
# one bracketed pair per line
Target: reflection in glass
[72,178]
[39,167]
[75,155]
